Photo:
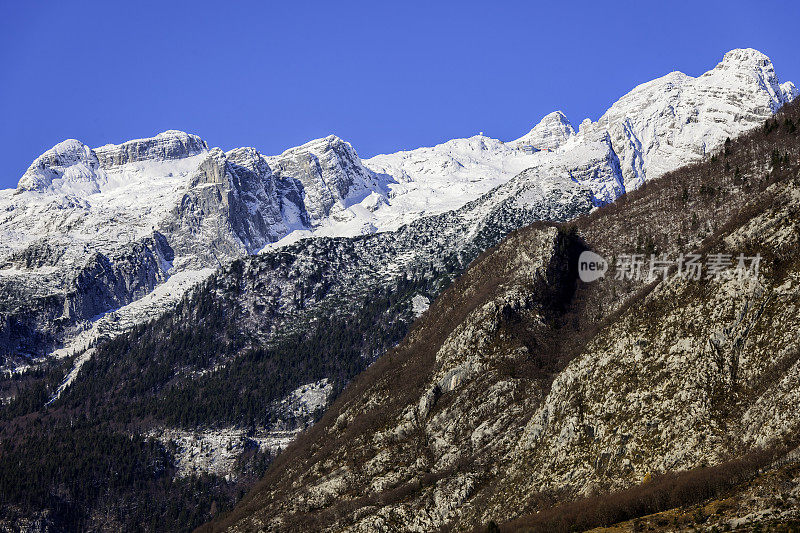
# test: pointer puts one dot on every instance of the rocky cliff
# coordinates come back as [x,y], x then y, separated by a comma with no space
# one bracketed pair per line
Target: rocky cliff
[522,385]
[190,314]
[91,231]
[212,207]
[332,175]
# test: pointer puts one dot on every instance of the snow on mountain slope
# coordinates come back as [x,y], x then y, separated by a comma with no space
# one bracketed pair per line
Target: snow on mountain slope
[657,127]
[68,165]
[91,231]
[346,196]
[444,177]
[790,92]
[549,134]
[334,180]
[677,119]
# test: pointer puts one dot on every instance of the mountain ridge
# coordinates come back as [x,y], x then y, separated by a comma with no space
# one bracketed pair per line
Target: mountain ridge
[188,310]
[511,392]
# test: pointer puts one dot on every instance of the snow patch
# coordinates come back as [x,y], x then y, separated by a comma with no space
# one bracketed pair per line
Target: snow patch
[419,304]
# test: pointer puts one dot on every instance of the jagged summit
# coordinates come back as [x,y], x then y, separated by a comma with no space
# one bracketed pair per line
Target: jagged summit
[328,140]
[76,168]
[170,144]
[745,57]
[789,91]
[750,62]
[332,175]
[550,133]
[212,206]
[677,119]
[68,162]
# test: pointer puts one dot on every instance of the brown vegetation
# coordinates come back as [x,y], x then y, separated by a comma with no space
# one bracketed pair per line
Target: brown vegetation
[662,492]
[688,210]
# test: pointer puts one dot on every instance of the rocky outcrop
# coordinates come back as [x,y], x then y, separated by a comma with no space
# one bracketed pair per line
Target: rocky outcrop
[677,119]
[331,173]
[277,199]
[105,283]
[70,164]
[166,146]
[35,317]
[550,133]
[38,254]
[232,206]
[513,391]
[593,164]
[790,91]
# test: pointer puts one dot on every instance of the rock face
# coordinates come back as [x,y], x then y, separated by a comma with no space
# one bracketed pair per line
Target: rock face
[232,206]
[521,384]
[89,231]
[70,164]
[75,204]
[103,283]
[677,119]
[659,126]
[790,92]
[331,173]
[36,315]
[552,132]
[165,146]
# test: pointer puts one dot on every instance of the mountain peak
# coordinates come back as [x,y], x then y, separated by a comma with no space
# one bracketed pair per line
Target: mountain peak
[69,160]
[323,142]
[167,145]
[750,62]
[790,92]
[745,57]
[175,133]
[550,133]
[332,174]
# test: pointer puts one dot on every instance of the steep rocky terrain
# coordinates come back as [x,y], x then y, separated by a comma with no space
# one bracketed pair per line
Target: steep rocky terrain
[225,379]
[197,333]
[550,134]
[99,240]
[521,385]
[89,231]
[677,119]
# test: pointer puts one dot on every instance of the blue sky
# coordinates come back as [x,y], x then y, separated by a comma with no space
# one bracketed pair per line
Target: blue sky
[385,76]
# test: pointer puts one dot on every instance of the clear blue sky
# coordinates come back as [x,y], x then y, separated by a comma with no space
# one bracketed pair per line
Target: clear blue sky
[384,75]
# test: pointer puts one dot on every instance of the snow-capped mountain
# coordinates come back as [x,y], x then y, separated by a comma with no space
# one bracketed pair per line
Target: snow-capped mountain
[443,177]
[522,387]
[553,131]
[88,231]
[677,119]
[244,332]
[657,127]
[332,175]
[98,239]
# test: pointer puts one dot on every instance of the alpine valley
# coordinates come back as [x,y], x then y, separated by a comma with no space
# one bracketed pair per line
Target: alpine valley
[401,342]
